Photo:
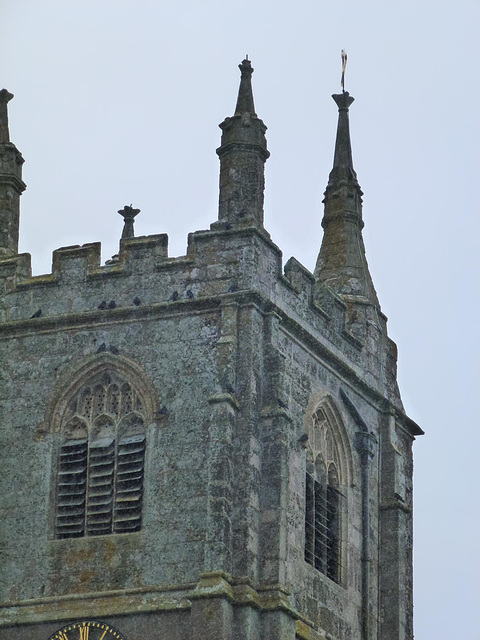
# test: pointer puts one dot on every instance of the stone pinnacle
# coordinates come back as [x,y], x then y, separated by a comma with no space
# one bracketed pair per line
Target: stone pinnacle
[245,94]
[5,97]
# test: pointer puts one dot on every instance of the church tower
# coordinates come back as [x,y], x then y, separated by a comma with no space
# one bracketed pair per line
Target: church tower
[211,446]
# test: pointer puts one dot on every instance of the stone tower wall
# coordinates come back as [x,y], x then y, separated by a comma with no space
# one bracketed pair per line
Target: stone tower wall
[237,353]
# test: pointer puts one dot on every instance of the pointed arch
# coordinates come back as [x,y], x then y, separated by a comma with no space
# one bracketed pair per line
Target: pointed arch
[329,471]
[99,415]
[324,403]
[90,369]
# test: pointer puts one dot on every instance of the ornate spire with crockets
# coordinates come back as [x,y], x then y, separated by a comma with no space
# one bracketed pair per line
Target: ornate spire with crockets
[342,264]
[11,184]
[242,154]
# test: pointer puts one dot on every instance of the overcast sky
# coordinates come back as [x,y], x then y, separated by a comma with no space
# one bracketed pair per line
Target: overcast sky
[118,102]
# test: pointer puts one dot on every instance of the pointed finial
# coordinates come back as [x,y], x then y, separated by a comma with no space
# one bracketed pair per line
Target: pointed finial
[245,93]
[342,161]
[344,66]
[5,97]
[128,213]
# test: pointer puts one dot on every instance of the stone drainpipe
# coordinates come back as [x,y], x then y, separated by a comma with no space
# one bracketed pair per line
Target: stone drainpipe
[366,445]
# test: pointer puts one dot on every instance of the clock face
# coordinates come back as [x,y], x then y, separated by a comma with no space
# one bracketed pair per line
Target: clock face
[87,630]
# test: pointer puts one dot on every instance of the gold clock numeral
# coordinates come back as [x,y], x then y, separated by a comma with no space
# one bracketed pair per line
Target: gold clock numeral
[81,630]
[84,633]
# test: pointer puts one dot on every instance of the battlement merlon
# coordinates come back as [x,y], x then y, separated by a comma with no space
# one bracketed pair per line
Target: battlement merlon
[14,269]
[136,254]
[76,262]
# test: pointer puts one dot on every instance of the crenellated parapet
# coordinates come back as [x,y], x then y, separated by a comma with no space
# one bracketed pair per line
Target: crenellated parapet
[219,264]
[336,306]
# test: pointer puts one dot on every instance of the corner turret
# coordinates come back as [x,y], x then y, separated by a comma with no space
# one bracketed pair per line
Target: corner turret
[11,184]
[243,152]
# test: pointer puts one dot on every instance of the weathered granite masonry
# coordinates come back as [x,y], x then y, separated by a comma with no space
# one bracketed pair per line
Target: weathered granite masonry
[231,355]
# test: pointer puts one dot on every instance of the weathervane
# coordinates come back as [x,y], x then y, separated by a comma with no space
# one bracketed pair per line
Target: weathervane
[344,66]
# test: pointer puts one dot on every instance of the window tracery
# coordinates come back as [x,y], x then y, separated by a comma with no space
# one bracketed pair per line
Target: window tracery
[101,459]
[323,497]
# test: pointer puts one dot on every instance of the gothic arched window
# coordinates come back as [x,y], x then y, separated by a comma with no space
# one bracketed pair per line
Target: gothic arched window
[101,459]
[325,495]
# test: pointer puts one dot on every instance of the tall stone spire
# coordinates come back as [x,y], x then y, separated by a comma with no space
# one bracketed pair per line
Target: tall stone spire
[11,184]
[242,153]
[341,263]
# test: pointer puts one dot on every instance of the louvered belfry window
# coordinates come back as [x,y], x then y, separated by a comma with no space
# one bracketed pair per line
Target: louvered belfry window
[101,460]
[323,506]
